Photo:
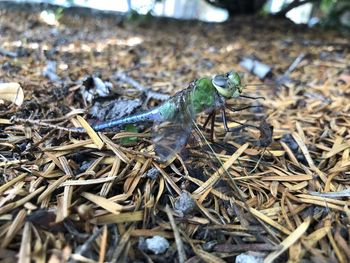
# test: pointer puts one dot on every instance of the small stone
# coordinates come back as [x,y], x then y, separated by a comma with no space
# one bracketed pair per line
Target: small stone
[152,173]
[249,258]
[185,203]
[209,245]
[156,244]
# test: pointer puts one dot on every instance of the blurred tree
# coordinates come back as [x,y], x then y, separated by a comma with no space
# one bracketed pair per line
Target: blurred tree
[337,13]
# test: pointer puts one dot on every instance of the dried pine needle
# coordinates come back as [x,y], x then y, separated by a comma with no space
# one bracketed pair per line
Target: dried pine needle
[56,183]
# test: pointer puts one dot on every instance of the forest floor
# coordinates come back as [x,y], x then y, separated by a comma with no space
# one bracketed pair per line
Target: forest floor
[106,197]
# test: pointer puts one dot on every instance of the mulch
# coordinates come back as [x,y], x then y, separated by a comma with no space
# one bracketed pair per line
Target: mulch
[102,196]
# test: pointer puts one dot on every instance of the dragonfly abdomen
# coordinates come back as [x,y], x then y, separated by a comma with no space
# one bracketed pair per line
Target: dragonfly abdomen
[151,115]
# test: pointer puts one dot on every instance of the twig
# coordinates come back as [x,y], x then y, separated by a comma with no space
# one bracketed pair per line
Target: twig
[339,194]
[282,79]
[178,241]
[47,125]
[295,63]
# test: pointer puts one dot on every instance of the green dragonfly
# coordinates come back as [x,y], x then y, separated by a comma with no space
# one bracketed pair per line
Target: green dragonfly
[174,118]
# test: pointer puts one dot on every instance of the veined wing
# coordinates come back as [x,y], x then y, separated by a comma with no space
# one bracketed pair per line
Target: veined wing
[172,135]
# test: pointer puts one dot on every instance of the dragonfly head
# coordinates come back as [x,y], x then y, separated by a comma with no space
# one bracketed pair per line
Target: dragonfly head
[228,85]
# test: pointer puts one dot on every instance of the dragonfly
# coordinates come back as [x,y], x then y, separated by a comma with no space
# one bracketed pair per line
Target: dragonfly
[174,119]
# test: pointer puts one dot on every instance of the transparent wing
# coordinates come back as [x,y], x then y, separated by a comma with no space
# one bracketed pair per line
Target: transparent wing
[171,137]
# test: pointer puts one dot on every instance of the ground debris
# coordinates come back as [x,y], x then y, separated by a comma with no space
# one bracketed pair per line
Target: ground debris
[156,244]
[278,184]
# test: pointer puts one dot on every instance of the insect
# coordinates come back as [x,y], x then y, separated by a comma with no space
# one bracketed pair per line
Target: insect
[174,118]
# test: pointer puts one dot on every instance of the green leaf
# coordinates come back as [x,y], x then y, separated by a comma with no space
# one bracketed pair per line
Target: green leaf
[129,128]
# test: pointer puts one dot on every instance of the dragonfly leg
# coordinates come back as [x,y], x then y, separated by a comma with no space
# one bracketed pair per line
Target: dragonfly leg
[243,108]
[212,125]
[243,125]
[253,98]
[208,119]
[265,129]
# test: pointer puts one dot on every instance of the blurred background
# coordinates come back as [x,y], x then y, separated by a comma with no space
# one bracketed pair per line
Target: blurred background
[330,13]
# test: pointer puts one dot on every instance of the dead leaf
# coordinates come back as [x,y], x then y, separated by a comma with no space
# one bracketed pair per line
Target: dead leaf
[12,92]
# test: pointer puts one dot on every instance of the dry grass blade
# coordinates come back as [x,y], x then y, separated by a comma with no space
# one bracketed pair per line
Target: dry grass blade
[88,182]
[20,202]
[290,240]
[92,134]
[12,182]
[120,218]
[112,146]
[341,257]
[269,221]
[304,149]
[312,239]
[152,233]
[180,248]
[112,174]
[208,257]
[10,163]
[293,178]
[216,176]
[208,214]
[337,149]
[340,194]
[25,250]
[52,187]
[5,121]
[15,226]
[103,246]
[168,179]
[322,203]
[110,206]
[76,144]
[325,199]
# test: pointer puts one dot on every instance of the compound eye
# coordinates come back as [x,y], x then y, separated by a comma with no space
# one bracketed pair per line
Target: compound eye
[220,81]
